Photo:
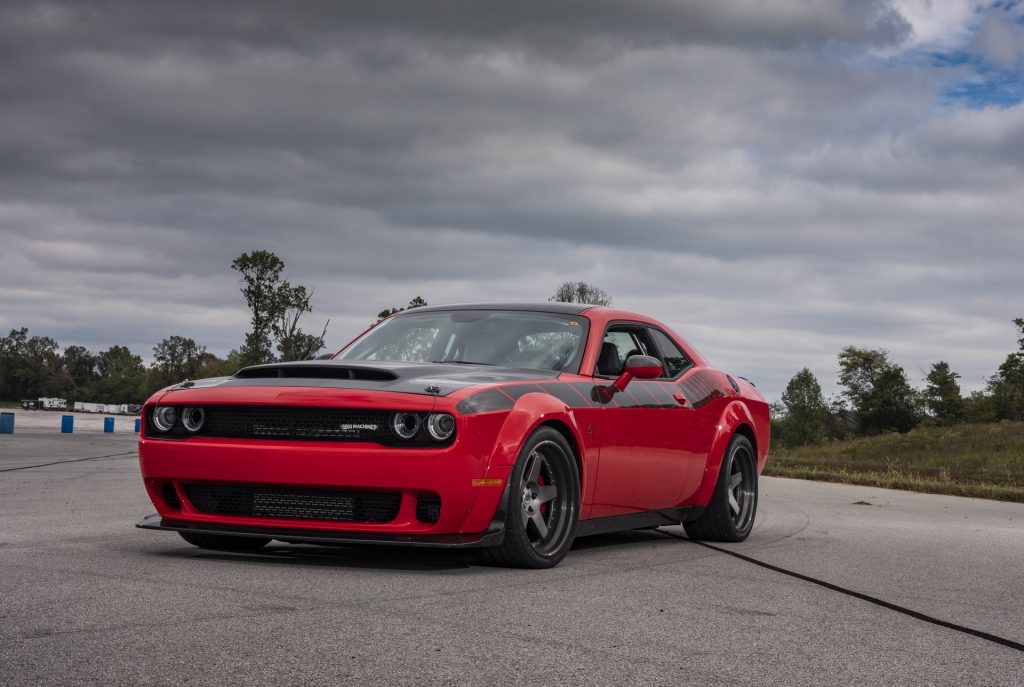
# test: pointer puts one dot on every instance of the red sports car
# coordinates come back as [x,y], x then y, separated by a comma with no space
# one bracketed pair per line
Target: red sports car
[511,429]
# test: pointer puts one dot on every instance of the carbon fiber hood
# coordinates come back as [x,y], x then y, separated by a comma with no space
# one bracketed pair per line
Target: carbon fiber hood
[433,379]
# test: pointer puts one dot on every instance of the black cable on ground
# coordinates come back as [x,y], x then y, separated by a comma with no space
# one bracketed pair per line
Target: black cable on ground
[61,462]
[995,639]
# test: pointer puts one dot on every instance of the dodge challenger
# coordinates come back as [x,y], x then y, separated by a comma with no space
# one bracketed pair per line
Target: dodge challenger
[509,429]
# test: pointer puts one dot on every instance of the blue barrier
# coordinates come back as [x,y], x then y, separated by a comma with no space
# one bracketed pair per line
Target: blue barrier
[138,424]
[108,424]
[6,423]
[67,424]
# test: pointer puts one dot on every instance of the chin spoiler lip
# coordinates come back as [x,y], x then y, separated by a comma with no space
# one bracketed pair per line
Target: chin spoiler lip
[493,536]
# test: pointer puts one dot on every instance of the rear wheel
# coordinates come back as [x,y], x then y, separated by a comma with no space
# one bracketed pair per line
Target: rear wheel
[730,515]
[223,542]
[542,506]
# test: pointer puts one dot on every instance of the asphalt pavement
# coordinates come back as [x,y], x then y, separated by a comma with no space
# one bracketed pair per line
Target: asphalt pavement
[838,585]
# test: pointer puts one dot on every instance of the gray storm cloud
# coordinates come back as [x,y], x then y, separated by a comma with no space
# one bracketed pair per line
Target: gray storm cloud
[775,180]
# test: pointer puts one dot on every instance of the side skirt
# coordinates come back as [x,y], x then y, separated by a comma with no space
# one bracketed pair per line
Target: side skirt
[637,521]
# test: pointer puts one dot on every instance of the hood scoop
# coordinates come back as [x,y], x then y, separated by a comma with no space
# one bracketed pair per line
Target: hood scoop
[366,374]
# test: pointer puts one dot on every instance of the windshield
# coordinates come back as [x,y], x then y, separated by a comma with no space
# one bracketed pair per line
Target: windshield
[532,340]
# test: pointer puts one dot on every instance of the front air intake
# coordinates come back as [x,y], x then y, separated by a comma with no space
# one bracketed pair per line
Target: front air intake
[294,503]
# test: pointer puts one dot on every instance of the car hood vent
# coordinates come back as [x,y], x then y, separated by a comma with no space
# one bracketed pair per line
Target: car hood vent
[367,374]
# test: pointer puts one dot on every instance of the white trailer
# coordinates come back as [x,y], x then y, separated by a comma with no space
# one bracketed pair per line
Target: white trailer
[111,408]
[53,404]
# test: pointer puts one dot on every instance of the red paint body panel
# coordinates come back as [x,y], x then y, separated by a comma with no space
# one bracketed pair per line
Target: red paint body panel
[656,444]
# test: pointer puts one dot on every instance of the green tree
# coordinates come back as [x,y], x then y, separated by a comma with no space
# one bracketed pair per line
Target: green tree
[276,307]
[122,377]
[580,292]
[1007,385]
[30,366]
[942,395]
[262,288]
[416,302]
[877,390]
[80,366]
[292,342]
[176,359]
[980,407]
[804,421]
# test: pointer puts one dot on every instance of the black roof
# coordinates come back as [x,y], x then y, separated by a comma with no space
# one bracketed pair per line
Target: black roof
[559,308]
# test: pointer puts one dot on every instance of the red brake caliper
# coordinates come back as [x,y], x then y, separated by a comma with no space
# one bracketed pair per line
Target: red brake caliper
[543,506]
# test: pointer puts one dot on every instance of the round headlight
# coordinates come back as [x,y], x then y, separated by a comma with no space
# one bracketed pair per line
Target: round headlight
[164,418]
[440,426]
[406,425]
[192,418]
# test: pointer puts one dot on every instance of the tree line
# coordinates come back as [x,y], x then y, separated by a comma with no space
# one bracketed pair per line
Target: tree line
[34,366]
[877,398]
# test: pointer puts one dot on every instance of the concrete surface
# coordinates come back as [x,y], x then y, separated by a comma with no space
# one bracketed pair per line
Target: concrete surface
[85,598]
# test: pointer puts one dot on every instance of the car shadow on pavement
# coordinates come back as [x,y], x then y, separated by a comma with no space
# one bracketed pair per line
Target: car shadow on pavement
[398,558]
[348,556]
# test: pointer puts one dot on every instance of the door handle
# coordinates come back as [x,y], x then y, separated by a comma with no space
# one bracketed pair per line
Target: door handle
[680,398]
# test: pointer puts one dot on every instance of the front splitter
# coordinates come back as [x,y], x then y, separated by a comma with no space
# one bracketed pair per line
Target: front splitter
[492,537]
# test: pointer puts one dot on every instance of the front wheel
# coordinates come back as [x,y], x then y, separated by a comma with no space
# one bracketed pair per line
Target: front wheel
[542,506]
[730,515]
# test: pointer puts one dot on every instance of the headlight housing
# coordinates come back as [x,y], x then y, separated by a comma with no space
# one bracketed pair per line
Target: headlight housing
[406,425]
[163,418]
[440,426]
[192,419]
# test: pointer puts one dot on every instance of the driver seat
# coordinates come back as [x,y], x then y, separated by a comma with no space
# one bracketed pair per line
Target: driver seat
[608,362]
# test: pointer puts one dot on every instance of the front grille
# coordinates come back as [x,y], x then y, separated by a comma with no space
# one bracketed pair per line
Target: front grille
[290,503]
[309,424]
[428,508]
[297,423]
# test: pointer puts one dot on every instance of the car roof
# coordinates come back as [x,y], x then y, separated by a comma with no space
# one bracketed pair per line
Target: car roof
[559,308]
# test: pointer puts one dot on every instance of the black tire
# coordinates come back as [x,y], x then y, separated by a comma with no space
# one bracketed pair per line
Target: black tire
[730,515]
[542,507]
[224,542]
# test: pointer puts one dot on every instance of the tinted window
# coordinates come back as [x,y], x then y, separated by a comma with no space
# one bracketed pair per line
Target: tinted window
[674,359]
[483,337]
[627,341]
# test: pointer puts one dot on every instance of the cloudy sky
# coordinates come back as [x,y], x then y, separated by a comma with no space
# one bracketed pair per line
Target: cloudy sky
[773,179]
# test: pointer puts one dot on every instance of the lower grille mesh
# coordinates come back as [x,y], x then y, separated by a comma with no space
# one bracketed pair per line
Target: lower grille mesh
[289,503]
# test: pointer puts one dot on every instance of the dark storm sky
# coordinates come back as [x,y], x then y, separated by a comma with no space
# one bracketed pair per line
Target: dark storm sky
[773,179]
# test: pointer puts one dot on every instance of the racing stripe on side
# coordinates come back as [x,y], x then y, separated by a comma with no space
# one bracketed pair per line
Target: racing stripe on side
[484,402]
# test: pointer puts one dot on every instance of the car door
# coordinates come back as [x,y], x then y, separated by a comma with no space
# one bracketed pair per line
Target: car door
[646,461]
[642,465]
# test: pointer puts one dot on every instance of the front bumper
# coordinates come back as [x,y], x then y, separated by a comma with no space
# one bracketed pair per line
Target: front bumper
[492,537]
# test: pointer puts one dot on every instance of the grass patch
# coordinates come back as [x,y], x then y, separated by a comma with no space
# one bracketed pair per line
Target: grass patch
[984,461]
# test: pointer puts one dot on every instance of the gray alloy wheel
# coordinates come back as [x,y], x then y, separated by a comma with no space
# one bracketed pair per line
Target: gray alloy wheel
[730,515]
[542,507]
[223,542]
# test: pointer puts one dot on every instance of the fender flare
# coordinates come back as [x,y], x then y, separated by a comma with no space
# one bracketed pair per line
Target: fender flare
[734,415]
[529,412]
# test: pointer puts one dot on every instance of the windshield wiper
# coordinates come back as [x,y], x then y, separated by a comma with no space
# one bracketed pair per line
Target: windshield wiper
[462,362]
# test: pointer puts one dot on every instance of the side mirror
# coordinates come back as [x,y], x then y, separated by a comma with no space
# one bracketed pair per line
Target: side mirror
[324,356]
[639,366]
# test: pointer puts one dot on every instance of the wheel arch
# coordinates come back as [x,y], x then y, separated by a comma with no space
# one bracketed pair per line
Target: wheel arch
[567,433]
[735,419]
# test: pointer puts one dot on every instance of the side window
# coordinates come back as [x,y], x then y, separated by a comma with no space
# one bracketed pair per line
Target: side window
[675,360]
[624,341]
